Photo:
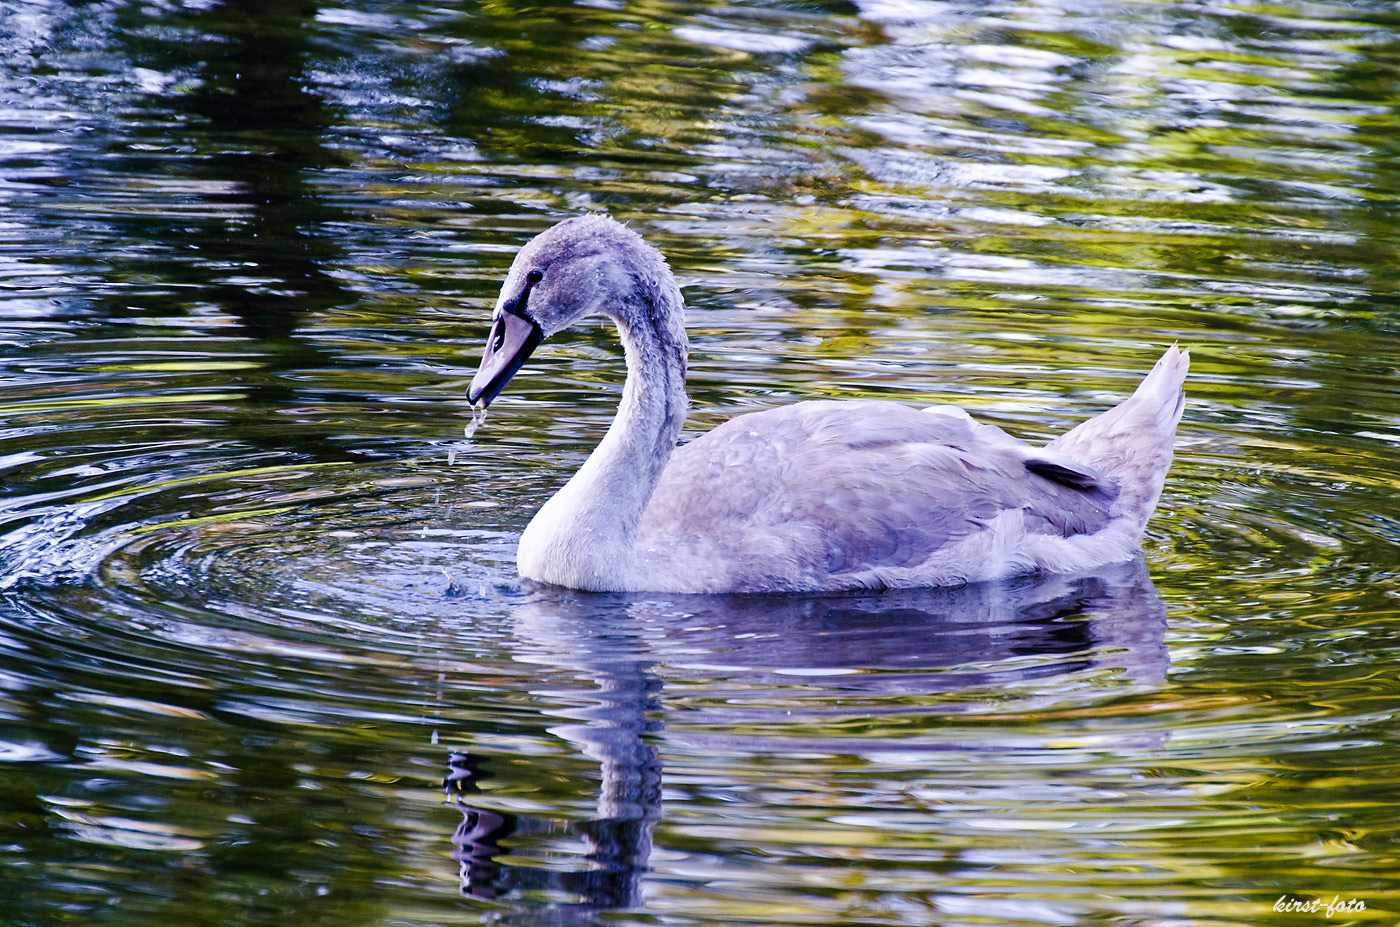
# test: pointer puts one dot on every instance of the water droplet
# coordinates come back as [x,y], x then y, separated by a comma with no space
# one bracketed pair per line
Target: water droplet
[478,418]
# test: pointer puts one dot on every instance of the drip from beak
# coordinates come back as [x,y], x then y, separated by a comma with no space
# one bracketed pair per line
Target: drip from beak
[513,338]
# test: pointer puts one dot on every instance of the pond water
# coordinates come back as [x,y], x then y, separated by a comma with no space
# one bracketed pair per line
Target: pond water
[264,657]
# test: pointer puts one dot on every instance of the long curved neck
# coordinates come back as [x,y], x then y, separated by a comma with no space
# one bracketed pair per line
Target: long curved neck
[586,535]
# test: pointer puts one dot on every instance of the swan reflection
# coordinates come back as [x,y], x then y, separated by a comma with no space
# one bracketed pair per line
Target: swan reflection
[847,656]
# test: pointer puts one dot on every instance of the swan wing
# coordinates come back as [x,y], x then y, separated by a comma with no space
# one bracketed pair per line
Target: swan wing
[825,489]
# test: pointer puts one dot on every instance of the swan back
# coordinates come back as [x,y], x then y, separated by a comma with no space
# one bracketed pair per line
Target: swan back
[840,495]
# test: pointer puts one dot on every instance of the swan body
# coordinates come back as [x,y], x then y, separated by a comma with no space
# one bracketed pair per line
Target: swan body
[814,496]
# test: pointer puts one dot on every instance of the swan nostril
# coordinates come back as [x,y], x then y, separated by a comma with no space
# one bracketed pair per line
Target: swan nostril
[498,336]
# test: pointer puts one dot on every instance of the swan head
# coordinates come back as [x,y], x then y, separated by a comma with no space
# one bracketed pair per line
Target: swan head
[582,266]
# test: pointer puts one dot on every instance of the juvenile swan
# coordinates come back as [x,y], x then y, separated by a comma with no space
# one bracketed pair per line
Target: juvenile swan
[815,496]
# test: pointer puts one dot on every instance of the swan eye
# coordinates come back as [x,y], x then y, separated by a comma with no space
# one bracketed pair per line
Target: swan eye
[534,276]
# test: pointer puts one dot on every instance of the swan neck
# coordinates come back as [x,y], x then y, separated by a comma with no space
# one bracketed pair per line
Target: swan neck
[586,535]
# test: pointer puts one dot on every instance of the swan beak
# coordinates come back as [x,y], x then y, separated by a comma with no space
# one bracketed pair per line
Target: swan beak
[513,338]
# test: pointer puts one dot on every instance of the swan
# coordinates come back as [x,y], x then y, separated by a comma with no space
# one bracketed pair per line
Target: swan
[817,496]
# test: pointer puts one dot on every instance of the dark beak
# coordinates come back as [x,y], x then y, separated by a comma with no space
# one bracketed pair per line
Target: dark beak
[513,338]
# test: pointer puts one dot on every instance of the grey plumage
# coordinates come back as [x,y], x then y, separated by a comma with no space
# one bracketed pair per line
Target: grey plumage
[817,495]
[843,489]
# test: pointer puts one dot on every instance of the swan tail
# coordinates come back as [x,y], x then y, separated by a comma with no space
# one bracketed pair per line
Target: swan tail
[1132,442]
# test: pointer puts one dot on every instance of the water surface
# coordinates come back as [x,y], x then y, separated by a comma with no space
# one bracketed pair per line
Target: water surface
[257,592]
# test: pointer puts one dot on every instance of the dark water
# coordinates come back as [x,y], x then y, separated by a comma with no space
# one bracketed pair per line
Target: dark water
[257,597]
